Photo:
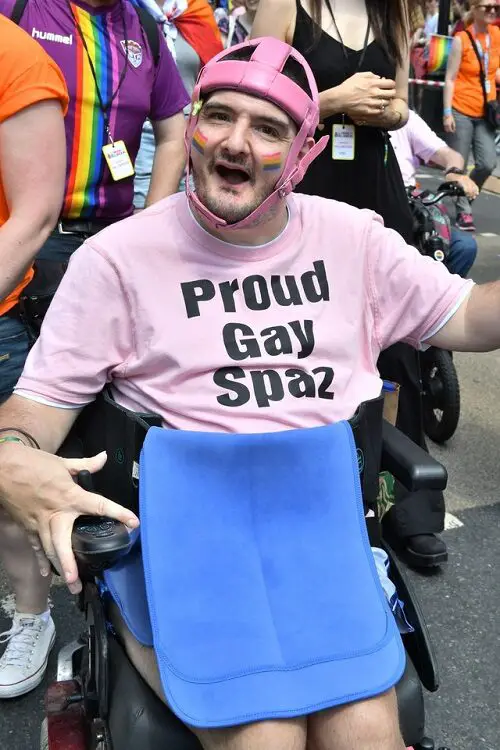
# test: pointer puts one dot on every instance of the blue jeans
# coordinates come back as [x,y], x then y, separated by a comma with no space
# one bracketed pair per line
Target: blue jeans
[462,254]
[14,348]
[473,133]
[59,247]
[144,166]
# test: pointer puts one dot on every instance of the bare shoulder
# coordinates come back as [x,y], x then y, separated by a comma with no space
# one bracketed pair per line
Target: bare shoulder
[275,18]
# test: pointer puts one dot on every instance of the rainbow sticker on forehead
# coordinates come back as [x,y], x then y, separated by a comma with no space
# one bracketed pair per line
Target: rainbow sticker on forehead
[199,141]
[272,161]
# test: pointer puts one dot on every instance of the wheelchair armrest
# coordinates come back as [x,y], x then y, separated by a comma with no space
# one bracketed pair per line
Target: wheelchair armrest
[409,463]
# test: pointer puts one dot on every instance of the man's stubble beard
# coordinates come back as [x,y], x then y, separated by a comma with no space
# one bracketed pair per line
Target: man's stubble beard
[223,208]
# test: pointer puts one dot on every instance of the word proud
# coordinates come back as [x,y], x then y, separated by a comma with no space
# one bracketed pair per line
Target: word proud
[257,292]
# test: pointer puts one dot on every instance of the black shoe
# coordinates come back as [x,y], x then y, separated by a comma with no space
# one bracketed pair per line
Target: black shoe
[424,550]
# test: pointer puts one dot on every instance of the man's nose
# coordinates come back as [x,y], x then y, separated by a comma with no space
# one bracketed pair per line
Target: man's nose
[237,139]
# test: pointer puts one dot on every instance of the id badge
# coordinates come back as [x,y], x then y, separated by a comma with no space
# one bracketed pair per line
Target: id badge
[343,142]
[487,86]
[118,160]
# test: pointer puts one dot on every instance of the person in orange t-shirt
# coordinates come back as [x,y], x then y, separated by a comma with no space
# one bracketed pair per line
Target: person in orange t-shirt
[464,103]
[33,100]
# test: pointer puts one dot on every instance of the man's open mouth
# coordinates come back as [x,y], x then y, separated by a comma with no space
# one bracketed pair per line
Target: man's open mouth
[233,175]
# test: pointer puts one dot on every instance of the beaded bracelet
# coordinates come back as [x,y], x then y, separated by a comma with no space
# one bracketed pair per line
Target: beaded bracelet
[12,439]
[32,442]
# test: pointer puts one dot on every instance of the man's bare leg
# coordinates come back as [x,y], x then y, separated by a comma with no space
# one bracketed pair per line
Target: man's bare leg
[367,725]
[282,734]
[286,734]
[30,588]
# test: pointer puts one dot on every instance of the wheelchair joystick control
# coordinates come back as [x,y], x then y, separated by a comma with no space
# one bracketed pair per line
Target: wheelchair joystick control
[426,744]
[98,542]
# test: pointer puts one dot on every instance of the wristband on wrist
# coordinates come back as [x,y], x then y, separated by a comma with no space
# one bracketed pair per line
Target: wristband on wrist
[447,112]
[12,439]
[454,170]
[32,443]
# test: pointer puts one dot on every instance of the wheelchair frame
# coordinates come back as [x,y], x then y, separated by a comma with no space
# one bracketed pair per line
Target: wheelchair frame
[79,704]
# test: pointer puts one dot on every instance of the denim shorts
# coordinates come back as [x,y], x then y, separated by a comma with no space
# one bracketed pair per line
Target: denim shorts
[14,348]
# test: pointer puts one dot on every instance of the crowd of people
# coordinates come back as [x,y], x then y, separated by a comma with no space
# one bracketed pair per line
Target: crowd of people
[470,87]
[101,213]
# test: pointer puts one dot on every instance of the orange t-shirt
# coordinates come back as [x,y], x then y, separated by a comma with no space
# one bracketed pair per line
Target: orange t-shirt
[468,94]
[27,75]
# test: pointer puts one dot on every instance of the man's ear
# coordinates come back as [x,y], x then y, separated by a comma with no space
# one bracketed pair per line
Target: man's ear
[309,143]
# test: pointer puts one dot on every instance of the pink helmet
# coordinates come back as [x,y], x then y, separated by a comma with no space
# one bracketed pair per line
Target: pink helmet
[261,76]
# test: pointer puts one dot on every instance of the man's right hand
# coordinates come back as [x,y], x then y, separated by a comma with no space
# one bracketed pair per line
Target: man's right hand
[39,491]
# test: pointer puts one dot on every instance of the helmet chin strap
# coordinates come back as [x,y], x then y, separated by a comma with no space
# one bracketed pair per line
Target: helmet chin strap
[290,178]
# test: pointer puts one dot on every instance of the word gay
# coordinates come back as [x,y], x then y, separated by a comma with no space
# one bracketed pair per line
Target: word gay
[257,292]
[241,342]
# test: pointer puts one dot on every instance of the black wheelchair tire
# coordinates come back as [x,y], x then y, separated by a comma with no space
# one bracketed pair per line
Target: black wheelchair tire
[441,390]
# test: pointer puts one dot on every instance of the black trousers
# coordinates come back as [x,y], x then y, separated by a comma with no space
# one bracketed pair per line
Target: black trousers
[419,512]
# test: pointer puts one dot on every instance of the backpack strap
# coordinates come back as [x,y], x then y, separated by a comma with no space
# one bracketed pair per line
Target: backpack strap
[150,27]
[482,72]
[18,11]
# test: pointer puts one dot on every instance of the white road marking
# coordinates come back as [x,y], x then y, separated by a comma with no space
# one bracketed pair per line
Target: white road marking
[451,522]
[488,234]
[8,605]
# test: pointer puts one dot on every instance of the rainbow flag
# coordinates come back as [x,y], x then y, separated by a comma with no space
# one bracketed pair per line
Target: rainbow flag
[199,141]
[86,123]
[272,161]
[438,53]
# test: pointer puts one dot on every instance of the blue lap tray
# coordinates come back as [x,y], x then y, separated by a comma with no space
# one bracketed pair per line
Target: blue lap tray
[262,590]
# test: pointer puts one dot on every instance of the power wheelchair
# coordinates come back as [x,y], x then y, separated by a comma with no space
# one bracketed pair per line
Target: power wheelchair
[99,701]
[440,384]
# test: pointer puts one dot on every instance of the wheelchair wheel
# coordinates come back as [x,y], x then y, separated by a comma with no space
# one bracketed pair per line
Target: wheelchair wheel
[441,395]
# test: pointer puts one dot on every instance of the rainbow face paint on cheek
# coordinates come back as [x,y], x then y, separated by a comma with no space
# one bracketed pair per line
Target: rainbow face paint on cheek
[199,141]
[271,162]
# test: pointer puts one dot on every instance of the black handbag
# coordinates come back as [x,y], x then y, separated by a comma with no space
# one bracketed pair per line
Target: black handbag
[491,111]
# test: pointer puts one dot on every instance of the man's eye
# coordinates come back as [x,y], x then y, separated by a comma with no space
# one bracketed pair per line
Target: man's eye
[268,131]
[219,116]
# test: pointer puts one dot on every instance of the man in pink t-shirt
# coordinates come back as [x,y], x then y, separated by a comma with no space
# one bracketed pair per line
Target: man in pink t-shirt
[239,307]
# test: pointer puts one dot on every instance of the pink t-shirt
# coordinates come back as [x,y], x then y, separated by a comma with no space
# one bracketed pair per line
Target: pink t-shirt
[218,337]
[414,143]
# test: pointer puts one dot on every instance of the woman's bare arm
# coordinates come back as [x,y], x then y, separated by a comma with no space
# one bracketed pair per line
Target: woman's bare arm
[275,18]
[452,69]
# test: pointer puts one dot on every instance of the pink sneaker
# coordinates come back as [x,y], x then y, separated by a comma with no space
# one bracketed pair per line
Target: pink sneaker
[465,222]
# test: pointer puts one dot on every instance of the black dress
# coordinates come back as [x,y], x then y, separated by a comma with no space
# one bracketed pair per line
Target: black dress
[371,180]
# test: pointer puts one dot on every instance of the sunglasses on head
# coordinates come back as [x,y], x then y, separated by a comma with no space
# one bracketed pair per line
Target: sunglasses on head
[489,8]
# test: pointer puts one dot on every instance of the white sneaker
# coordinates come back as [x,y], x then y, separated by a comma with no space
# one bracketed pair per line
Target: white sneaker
[24,661]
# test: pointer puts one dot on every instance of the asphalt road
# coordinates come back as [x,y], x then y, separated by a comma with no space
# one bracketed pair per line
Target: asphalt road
[461,602]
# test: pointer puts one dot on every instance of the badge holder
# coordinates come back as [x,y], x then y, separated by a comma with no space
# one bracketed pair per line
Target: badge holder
[118,159]
[343,141]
